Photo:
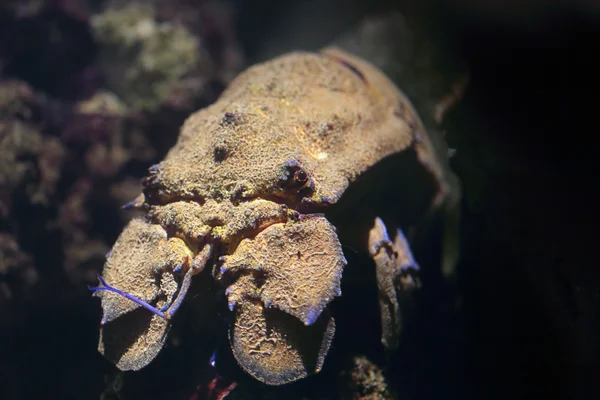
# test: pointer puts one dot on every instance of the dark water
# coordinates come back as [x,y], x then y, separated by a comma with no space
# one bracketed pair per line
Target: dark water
[521,320]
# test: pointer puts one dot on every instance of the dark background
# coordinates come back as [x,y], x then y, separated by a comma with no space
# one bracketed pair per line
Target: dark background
[525,317]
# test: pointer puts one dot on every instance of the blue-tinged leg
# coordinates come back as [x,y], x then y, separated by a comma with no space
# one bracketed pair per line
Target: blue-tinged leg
[107,287]
[406,267]
[396,272]
[166,312]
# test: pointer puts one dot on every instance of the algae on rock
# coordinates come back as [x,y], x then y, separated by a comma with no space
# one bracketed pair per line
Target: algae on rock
[146,60]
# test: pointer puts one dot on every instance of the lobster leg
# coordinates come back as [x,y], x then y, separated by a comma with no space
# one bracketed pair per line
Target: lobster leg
[397,278]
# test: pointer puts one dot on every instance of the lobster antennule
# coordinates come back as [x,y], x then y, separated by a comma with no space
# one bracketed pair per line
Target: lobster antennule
[170,311]
[105,286]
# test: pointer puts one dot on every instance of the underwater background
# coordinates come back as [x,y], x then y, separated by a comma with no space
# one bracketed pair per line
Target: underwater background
[92,93]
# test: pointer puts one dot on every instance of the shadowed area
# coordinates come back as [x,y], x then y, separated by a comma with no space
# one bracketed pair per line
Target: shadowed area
[134,339]
[277,348]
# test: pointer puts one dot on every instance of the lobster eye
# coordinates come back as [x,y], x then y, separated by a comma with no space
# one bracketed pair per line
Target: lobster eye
[295,179]
[301,176]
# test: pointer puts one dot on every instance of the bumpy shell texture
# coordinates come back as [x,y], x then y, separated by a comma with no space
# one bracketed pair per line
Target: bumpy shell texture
[277,348]
[138,264]
[299,266]
[250,176]
[330,114]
